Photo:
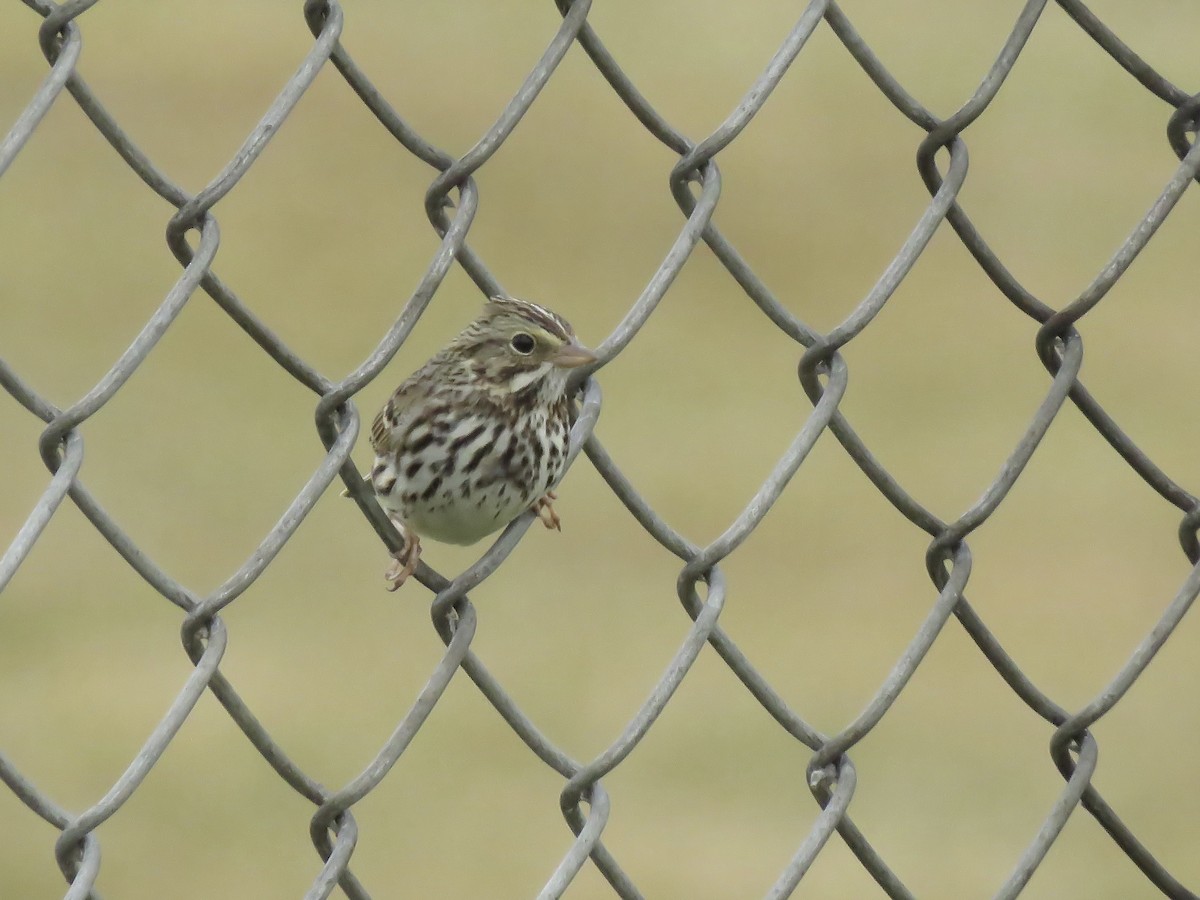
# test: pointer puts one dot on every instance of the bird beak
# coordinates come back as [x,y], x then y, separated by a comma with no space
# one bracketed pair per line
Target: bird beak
[572,355]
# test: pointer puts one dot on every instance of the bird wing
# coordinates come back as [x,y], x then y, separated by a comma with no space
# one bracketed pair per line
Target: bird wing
[395,418]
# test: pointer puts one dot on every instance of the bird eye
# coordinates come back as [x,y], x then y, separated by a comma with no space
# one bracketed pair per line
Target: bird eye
[523,343]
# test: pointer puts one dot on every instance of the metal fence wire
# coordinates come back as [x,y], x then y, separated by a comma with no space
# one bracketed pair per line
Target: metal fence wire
[451,204]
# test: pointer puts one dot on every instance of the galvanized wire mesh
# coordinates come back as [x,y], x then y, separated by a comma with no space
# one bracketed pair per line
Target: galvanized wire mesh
[451,203]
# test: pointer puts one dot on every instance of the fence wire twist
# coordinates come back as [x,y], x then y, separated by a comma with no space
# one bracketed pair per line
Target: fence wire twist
[695,184]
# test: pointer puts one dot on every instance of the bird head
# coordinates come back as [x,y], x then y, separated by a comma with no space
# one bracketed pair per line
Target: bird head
[516,346]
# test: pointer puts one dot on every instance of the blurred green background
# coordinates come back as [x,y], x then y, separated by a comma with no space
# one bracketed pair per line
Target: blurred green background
[325,239]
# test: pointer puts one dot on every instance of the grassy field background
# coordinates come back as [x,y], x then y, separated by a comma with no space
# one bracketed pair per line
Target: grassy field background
[326,238]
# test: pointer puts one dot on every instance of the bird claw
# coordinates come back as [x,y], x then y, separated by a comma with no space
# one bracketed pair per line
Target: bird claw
[546,513]
[404,560]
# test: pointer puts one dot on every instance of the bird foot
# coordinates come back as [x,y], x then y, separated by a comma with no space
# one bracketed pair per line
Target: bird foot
[545,511]
[404,560]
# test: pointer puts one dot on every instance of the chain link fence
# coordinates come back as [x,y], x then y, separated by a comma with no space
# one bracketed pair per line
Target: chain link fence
[451,203]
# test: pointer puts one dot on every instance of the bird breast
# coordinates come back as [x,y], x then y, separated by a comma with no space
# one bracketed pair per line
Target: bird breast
[460,481]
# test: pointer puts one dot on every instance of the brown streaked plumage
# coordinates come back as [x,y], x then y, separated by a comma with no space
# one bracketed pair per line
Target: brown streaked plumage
[478,434]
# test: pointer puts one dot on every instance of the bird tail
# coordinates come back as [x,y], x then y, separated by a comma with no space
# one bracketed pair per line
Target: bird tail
[346,491]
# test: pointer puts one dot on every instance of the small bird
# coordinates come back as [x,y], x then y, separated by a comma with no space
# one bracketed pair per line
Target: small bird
[478,434]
